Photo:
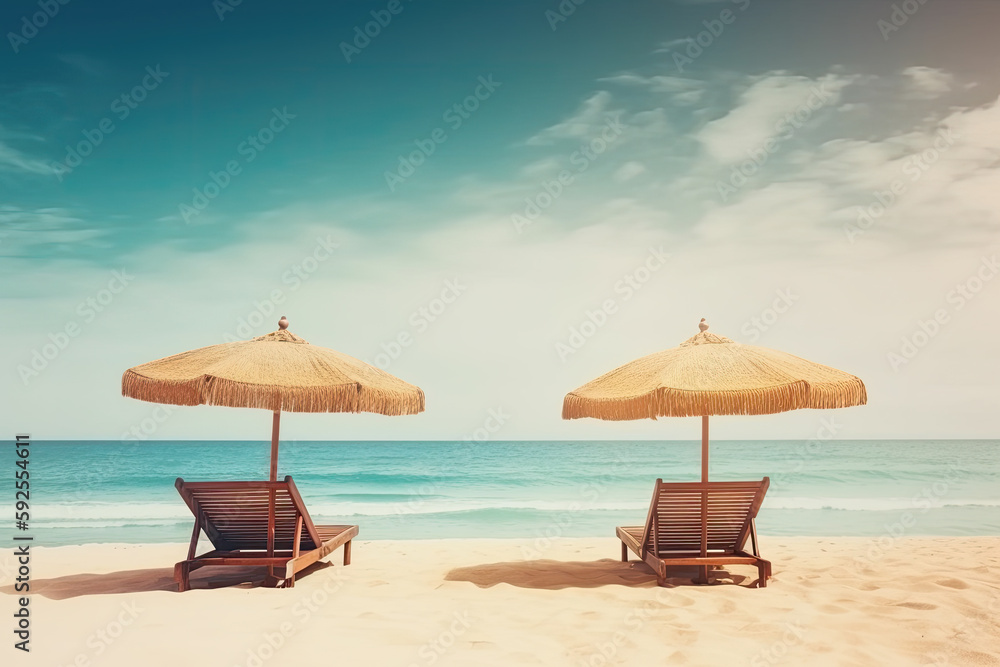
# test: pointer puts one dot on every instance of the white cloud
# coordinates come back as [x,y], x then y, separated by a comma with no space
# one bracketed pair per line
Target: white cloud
[85,64]
[12,159]
[927,82]
[24,230]
[628,171]
[671,44]
[941,181]
[584,123]
[680,90]
[689,97]
[761,108]
[495,346]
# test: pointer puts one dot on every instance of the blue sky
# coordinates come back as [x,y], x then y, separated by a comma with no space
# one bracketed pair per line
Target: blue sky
[597,144]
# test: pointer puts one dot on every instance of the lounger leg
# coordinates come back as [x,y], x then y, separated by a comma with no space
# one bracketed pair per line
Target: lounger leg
[764,570]
[702,577]
[347,552]
[272,580]
[182,575]
[762,574]
[624,553]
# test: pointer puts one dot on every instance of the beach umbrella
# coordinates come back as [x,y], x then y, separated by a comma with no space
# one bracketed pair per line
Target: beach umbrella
[712,375]
[280,372]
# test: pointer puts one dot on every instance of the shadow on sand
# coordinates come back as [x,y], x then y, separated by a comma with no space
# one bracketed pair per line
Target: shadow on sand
[157,579]
[557,574]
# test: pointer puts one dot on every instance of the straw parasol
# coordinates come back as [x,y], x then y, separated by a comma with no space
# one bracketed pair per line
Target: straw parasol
[712,375]
[279,372]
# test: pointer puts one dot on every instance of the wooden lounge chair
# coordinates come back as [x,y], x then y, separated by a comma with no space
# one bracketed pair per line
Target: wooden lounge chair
[699,523]
[257,523]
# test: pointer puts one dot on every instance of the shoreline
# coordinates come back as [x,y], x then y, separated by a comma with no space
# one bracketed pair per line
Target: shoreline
[784,538]
[489,601]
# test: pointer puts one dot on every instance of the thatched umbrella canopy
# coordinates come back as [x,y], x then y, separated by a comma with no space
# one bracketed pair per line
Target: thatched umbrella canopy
[712,375]
[277,372]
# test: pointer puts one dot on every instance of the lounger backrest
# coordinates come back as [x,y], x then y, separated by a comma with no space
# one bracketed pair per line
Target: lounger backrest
[234,515]
[674,523]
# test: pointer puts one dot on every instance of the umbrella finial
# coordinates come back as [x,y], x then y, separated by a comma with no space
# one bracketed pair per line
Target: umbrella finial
[283,323]
[703,325]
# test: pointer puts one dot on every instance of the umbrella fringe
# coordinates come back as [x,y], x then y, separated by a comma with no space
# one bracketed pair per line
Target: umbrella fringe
[664,402]
[204,390]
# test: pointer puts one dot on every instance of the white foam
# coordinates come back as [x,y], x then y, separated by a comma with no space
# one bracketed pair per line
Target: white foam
[104,514]
[873,504]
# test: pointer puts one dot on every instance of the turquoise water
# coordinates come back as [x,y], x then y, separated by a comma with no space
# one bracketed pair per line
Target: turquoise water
[85,492]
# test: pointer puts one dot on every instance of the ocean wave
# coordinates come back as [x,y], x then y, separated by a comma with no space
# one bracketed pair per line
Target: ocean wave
[107,514]
[122,523]
[110,510]
[454,506]
[171,512]
[873,504]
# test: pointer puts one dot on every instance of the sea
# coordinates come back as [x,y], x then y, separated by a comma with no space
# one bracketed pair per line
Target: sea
[114,492]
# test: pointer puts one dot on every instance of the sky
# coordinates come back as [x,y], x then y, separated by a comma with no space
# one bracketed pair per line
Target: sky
[528,194]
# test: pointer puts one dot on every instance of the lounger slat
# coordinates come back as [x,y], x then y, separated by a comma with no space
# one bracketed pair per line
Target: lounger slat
[235,517]
[680,513]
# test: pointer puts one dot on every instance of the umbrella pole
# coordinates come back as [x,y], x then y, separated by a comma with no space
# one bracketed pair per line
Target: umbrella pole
[703,569]
[704,448]
[274,445]
[275,424]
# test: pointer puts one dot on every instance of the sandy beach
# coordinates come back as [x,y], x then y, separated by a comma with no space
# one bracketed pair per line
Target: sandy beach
[833,601]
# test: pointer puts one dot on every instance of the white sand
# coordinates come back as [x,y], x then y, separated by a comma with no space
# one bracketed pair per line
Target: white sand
[479,602]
